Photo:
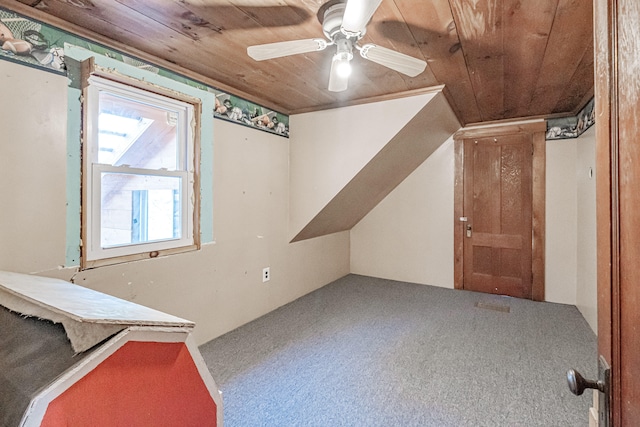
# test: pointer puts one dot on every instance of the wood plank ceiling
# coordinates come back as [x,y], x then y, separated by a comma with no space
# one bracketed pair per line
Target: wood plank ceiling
[498,59]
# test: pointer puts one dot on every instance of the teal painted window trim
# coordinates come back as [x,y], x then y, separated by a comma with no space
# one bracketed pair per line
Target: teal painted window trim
[74,166]
[74,121]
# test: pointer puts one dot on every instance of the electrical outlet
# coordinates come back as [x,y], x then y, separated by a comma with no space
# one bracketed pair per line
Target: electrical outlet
[266,274]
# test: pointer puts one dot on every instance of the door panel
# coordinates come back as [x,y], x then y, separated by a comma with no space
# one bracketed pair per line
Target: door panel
[497,203]
[617,101]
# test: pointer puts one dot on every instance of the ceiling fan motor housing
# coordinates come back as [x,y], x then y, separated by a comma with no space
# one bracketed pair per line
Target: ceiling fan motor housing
[330,17]
[332,20]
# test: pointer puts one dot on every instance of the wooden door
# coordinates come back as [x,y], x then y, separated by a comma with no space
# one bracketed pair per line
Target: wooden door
[497,215]
[617,100]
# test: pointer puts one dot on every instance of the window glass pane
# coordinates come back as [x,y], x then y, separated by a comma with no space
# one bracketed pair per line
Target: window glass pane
[139,208]
[131,132]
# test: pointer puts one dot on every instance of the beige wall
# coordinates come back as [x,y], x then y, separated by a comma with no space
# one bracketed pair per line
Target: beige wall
[587,293]
[33,151]
[409,235]
[406,237]
[571,224]
[328,148]
[561,216]
[219,287]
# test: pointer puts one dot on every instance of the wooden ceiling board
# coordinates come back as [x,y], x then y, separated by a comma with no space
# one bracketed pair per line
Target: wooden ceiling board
[434,30]
[305,80]
[129,25]
[240,69]
[399,38]
[481,31]
[527,27]
[578,86]
[173,15]
[571,36]
[499,59]
[224,64]
[192,50]
[130,50]
[262,15]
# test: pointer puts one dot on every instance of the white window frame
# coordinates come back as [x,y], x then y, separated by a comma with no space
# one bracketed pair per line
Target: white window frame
[93,254]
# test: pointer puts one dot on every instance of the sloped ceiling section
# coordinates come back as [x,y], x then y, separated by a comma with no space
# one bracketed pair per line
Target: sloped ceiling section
[429,128]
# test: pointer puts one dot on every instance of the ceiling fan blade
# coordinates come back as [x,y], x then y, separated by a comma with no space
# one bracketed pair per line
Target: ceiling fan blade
[397,61]
[280,49]
[357,15]
[337,83]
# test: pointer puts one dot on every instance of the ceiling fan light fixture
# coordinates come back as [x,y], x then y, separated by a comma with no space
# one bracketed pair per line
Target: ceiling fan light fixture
[342,58]
[343,65]
[345,48]
[344,24]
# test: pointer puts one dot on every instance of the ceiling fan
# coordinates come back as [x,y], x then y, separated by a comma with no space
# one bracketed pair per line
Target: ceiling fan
[344,24]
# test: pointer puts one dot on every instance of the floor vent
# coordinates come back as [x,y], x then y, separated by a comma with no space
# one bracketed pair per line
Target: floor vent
[495,307]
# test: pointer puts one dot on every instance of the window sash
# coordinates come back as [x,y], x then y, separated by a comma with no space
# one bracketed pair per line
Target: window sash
[94,253]
[94,220]
[184,112]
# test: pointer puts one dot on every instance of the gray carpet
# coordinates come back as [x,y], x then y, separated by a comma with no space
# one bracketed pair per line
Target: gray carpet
[371,352]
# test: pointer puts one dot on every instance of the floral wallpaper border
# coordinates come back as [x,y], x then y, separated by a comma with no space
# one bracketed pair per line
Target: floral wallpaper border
[29,42]
[572,127]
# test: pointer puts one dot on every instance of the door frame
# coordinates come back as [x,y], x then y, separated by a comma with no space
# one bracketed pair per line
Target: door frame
[537,129]
[618,203]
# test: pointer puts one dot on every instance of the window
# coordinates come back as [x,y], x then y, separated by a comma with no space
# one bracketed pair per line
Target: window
[139,188]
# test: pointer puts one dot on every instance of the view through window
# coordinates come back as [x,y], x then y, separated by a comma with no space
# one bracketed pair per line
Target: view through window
[140,154]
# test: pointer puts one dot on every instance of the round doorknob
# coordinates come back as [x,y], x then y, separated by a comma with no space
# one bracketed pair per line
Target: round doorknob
[578,384]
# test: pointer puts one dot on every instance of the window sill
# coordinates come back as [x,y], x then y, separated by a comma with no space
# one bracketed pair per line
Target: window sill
[89,264]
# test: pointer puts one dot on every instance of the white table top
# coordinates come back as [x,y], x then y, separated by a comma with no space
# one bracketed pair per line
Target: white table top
[83,304]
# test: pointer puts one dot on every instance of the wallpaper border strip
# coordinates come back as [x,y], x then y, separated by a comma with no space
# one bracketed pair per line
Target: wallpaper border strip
[36,44]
